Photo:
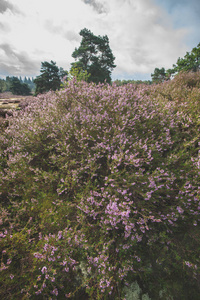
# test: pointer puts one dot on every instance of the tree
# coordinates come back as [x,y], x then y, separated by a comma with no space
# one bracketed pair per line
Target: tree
[79,74]
[49,79]
[159,75]
[63,73]
[31,84]
[18,88]
[190,62]
[2,85]
[94,56]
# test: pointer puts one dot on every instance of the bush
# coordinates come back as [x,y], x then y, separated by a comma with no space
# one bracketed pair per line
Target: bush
[100,189]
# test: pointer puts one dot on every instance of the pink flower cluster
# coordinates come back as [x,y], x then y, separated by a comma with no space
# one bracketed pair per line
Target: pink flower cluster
[103,183]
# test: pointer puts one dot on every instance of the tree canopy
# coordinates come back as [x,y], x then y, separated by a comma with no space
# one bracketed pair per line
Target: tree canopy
[94,56]
[190,62]
[17,87]
[3,85]
[49,79]
[79,74]
[159,75]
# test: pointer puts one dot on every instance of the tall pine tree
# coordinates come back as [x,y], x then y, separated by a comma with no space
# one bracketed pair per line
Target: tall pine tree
[94,56]
[49,79]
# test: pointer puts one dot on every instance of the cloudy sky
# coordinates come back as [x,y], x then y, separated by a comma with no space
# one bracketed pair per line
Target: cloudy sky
[143,34]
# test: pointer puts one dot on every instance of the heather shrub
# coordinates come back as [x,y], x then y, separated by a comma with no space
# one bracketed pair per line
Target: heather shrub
[183,89]
[99,190]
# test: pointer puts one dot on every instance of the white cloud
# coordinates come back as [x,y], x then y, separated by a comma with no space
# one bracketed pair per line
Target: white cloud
[141,34]
[143,37]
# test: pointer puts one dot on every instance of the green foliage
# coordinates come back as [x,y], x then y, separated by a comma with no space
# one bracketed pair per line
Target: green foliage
[3,85]
[94,56]
[50,78]
[63,74]
[30,83]
[99,193]
[8,83]
[190,62]
[79,74]
[159,75]
[18,88]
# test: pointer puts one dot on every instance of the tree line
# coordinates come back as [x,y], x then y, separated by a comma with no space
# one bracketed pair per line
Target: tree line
[94,62]
[17,86]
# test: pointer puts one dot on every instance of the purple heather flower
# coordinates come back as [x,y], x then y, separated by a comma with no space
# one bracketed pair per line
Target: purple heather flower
[180,210]
[44,270]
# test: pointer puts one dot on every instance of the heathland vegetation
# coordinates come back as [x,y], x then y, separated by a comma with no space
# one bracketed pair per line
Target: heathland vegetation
[99,191]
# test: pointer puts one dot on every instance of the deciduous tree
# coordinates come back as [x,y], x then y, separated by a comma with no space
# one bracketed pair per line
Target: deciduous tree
[79,74]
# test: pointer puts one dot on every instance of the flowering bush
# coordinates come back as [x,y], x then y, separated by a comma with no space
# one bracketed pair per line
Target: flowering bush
[99,189]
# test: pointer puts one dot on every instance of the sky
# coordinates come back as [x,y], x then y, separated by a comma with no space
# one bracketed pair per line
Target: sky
[143,34]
